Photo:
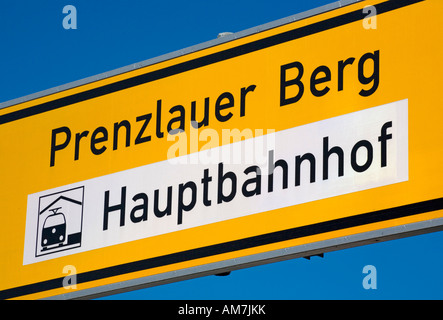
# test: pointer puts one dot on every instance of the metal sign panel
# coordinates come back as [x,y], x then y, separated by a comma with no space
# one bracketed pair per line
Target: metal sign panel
[294,138]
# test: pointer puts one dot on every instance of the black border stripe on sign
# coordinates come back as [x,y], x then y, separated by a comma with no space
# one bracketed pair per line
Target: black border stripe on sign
[289,234]
[203,61]
[241,244]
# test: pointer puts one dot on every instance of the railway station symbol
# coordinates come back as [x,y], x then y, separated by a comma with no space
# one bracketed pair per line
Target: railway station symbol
[59,223]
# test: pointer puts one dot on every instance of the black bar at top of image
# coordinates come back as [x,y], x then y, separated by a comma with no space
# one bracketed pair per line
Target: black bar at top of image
[241,244]
[203,61]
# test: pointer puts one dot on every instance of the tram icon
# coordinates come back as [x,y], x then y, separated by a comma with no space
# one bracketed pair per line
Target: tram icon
[54,229]
[60,221]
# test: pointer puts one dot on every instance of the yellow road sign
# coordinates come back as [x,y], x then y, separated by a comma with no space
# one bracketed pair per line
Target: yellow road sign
[290,139]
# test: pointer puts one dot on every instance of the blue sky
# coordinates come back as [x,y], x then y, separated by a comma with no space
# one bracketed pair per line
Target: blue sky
[38,53]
